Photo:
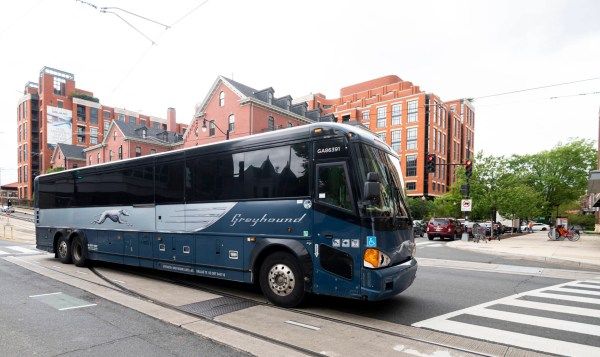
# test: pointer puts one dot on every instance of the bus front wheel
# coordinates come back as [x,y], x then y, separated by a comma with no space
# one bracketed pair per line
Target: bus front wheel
[63,250]
[281,279]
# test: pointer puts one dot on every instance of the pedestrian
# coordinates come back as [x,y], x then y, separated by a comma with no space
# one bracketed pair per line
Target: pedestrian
[530,227]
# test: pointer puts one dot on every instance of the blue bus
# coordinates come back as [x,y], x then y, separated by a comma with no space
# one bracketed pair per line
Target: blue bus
[316,209]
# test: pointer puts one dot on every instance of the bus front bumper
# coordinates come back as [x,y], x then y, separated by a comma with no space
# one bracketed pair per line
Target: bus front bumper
[381,284]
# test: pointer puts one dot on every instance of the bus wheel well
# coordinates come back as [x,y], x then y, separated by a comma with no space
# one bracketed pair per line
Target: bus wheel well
[264,254]
[58,235]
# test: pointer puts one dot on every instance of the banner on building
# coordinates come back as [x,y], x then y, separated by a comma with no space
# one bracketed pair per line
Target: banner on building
[59,125]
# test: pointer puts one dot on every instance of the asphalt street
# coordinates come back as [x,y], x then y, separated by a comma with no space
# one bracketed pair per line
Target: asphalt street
[41,316]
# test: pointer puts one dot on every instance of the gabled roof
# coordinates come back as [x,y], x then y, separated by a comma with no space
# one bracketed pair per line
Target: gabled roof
[158,136]
[71,151]
[242,88]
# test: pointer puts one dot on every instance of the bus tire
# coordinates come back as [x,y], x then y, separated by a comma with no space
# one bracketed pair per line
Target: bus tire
[282,280]
[78,252]
[63,250]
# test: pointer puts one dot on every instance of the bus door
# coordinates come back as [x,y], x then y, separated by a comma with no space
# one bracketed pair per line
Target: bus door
[336,227]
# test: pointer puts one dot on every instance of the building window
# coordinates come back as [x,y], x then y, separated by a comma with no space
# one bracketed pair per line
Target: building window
[122,117]
[93,115]
[59,86]
[221,99]
[75,166]
[138,151]
[396,140]
[131,119]
[60,103]
[81,134]
[269,97]
[411,139]
[152,151]
[93,136]
[109,155]
[97,158]
[290,124]
[365,115]
[106,115]
[80,112]
[121,152]
[115,135]
[411,186]
[396,114]
[381,114]
[411,165]
[231,122]
[271,123]
[144,133]
[211,128]
[412,110]
[381,136]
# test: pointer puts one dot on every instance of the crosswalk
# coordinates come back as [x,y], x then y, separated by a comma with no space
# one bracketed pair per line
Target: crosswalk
[562,319]
[17,250]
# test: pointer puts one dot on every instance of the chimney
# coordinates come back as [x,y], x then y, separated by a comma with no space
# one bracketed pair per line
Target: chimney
[171,122]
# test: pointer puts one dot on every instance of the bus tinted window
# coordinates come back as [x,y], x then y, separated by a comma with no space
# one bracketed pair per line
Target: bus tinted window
[168,176]
[56,192]
[273,173]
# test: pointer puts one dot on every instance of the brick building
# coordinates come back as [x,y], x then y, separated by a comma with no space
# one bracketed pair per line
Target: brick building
[234,109]
[414,123]
[67,156]
[53,111]
[125,140]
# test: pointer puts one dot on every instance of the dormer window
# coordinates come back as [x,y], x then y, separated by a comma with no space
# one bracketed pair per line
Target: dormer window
[269,97]
[221,99]
[144,133]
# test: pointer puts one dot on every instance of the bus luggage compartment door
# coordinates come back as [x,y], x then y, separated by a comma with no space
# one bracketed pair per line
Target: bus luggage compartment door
[221,256]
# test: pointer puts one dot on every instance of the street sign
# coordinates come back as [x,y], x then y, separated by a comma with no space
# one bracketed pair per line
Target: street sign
[465,205]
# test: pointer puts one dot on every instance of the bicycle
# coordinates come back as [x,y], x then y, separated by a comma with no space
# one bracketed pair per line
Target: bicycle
[478,233]
[571,234]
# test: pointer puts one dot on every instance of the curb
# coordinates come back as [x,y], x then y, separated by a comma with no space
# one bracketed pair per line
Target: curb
[567,262]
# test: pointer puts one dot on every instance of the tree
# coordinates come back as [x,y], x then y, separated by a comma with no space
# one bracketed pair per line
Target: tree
[419,208]
[519,200]
[55,169]
[558,175]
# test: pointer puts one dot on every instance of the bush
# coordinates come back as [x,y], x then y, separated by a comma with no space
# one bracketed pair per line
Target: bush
[587,221]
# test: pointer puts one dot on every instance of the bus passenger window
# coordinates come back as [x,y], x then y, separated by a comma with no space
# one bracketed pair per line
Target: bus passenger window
[333,186]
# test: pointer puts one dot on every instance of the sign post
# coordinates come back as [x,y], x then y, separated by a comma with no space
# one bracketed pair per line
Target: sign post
[465,206]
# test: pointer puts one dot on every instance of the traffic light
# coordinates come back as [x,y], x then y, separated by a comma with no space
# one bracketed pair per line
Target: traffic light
[430,163]
[468,168]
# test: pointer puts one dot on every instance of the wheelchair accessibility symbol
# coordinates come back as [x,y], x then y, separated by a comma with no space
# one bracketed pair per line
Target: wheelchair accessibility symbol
[371,241]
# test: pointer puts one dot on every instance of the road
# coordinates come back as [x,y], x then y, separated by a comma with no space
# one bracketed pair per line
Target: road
[512,308]
[44,317]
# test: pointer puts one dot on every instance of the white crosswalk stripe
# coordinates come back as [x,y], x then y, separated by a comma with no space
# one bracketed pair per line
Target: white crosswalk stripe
[562,319]
[430,244]
[17,250]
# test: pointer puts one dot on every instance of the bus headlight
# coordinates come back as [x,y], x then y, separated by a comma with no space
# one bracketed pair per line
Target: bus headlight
[374,258]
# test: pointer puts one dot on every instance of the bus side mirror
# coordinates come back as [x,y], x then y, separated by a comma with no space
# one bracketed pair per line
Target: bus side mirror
[372,188]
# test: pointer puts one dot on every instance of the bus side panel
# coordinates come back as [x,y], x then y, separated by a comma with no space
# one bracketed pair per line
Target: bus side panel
[110,246]
[145,250]
[131,248]
[219,251]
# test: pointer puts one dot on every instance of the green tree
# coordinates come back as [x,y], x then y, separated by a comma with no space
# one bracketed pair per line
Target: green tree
[419,208]
[55,169]
[558,175]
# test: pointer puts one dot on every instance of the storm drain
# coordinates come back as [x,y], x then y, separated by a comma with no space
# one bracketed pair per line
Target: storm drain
[218,306]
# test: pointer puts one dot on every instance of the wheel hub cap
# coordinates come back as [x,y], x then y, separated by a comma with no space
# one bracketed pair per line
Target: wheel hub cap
[281,279]
[62,249]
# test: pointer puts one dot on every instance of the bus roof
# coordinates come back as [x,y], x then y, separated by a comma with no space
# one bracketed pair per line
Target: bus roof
[281,135]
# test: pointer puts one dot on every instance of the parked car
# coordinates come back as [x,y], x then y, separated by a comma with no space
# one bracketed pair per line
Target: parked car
[7,209]
[444,228]
[536,227]
[418,228]
[468,227]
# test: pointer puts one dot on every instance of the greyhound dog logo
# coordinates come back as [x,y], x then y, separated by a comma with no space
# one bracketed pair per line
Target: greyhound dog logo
[114,215]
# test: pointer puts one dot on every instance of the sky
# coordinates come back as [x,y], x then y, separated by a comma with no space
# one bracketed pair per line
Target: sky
[455,49]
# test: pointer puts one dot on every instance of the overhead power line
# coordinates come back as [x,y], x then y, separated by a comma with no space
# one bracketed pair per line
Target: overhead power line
[534,88]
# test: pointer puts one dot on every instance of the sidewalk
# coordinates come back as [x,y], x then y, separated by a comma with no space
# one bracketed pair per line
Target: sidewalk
[536,246]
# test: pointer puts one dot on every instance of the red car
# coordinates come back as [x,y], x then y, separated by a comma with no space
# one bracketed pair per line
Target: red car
[444,228]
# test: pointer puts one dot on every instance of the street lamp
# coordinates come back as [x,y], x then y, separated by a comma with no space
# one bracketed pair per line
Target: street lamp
[216,126]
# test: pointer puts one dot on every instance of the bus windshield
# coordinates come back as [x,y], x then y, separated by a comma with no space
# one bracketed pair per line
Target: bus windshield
[387,166]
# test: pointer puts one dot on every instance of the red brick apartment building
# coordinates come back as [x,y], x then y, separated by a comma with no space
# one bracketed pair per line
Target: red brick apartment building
[55,111]
[414,123]
[234,109]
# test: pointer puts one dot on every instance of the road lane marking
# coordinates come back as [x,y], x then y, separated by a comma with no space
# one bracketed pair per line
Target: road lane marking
[34,296]
[513,338]
[583,285]
[3,252]
[577,291]
[310,327]
[564,297]
[554,307]
[76,307]
[537,321]
[22,249]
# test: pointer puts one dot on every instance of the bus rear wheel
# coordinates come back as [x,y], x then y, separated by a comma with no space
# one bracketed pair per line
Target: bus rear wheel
[281,279]
[63,250]
[78,253]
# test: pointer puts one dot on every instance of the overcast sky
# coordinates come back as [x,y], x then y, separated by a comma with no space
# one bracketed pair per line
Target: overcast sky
[454,49]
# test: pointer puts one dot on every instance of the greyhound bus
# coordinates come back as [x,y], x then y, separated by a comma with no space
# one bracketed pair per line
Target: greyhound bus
[315,209]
